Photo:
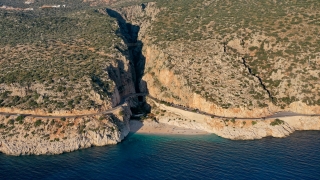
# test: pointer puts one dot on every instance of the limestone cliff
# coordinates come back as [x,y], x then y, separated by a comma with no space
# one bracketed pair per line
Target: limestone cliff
[26,136]
[231,128]
[226,97]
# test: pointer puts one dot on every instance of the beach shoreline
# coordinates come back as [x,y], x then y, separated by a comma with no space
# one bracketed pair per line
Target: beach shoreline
[152,127]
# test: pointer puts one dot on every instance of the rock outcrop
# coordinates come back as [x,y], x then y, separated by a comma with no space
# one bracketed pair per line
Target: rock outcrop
[26,136]
[235,129]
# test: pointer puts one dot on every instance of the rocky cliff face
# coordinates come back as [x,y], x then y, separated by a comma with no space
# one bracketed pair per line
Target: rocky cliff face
[234,129]
[134,21]
[25,136]
[247,129]
[221,89]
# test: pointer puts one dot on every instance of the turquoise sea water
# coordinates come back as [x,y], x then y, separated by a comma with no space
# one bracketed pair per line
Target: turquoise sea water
[177,157]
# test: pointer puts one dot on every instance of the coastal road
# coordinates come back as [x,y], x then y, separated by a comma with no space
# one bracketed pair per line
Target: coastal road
[124,99]
[275,115]
[109,111]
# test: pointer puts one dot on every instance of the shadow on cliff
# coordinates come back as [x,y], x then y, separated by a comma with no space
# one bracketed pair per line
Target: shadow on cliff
[135,126]
[129,34]
[119,76]
[133,51]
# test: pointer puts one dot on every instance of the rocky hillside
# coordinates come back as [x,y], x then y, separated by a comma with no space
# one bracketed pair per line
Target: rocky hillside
[62,63]
[229,58]
[25,135]
[236,58]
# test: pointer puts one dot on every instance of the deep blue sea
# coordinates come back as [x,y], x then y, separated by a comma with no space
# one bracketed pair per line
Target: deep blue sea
[177,157]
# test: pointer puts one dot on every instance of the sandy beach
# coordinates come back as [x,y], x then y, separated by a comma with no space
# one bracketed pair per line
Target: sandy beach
[151,127]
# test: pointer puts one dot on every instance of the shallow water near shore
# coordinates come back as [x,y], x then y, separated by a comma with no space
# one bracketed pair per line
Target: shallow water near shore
[142,156]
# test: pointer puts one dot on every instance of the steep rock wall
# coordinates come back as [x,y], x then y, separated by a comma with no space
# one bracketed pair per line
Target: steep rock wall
[238,129]
[55,136]
[165,84]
